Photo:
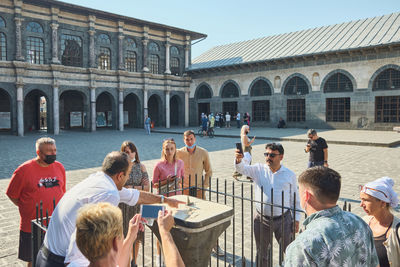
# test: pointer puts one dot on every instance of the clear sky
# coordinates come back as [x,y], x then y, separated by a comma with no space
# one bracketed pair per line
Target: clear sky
[228,21]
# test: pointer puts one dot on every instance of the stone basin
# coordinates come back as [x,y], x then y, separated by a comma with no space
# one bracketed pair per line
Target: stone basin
[197,229]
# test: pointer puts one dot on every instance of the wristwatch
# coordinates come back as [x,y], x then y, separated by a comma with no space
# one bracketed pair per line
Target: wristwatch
[162,199]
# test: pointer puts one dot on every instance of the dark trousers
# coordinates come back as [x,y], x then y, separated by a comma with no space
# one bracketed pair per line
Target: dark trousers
[263,236]
[44,259]
[238,123]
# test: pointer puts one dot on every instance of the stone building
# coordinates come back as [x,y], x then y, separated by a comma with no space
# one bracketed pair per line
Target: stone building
[64,66]
[339,76]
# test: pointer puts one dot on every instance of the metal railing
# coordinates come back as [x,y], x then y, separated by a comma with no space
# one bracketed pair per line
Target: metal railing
[238,240]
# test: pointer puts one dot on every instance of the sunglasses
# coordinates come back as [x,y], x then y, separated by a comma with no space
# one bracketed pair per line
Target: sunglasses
[363,188]
[272,155]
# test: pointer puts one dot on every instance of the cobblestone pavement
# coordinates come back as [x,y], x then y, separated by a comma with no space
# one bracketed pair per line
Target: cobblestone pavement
[82,153]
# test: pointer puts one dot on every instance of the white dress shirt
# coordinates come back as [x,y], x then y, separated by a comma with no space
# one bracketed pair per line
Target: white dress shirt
[282,180]
[98,187]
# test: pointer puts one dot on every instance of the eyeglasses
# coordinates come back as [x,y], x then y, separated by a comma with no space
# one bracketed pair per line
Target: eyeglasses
[363,188]
[272,155]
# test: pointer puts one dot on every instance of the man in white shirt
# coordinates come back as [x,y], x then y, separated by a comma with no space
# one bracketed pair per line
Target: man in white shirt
[104,186]
[228,120]
[272,175]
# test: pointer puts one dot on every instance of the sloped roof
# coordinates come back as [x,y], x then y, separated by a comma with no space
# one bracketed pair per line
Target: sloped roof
[352,35]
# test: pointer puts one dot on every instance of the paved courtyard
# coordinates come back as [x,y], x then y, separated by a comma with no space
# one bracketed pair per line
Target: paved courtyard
[82,153]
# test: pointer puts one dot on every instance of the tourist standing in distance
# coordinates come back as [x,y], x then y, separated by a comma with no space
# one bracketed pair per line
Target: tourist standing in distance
[204,124]
[318,149]
[217,125]
[228,120]
[272,175]
[377,199]
[104,186]
[333,237]
[147,123]
[38,179]
[238,119]
[196,163]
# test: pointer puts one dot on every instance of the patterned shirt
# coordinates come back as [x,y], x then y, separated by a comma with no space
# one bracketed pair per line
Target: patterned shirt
[333,238]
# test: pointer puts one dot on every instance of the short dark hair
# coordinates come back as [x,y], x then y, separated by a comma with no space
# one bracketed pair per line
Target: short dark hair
[324,182]
[311,132]
[275,146]
[189,132]
[115,162]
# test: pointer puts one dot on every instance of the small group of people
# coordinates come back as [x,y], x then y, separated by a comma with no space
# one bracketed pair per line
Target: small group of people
[332,236]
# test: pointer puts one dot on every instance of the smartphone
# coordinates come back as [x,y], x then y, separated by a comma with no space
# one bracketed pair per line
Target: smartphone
[150,211]
[239,146]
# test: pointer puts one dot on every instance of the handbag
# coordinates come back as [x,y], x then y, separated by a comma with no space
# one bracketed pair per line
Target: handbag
[170,185]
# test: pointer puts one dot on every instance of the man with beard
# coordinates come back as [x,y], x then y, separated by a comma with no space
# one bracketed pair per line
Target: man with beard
[272,175]
[41,179]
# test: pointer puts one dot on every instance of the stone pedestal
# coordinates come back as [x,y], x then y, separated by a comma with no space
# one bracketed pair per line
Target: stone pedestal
[197,229]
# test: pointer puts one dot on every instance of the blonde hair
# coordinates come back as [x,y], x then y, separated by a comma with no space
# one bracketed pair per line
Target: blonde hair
[44,141]
[96,227]
[164,146]
[243,130]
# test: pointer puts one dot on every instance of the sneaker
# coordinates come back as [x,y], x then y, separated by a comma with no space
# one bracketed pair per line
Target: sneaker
[218,251]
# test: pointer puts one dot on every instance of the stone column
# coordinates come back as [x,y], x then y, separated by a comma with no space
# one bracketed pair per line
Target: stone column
[20,108]
[167,65]
[145,108]
[121,110]
[93,108]
[92,59]
[187,57]
[145,42]
[167,109]
[54,42]
[18,39]
[121,65]
[56,111]
[187,108]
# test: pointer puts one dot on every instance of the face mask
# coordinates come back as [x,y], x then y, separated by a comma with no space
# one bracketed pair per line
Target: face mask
[134,159]
[49,159]
[191,147]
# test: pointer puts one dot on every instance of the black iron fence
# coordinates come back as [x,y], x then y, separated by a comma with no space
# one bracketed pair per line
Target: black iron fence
[238,240]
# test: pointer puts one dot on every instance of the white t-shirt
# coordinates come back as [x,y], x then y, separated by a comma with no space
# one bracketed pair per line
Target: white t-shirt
[228,117]
[98,187]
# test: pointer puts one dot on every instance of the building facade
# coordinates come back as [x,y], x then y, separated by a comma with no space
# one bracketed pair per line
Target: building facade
[66,67]
[344,76]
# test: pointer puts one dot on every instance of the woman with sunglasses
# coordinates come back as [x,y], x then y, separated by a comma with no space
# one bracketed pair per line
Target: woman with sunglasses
[138,179]
[377,199]
[246,146]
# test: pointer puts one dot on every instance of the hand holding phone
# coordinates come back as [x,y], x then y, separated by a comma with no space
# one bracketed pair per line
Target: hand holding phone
[150,211]
[239,146]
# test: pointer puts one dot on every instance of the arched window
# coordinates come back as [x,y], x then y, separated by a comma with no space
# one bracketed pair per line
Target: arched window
[130,61]
[230,90]
[203,92]
[34,27]
[3,54]
[260,88]
[154,64]
[105,58]
[71,49]
[130,44]
[296,86]
[104,39]
[388,79]
[34,50]
[174,64]
[174,51]
[2,22]
[153,47]
[338,82]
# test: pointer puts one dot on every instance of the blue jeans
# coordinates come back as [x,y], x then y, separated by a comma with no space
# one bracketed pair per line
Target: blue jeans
[147,128]
[315,163]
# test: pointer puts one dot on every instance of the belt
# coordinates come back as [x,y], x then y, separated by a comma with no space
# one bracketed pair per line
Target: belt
[274,217]
[51,256]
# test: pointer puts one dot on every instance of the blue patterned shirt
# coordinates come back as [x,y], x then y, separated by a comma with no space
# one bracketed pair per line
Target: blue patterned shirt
[333,238]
